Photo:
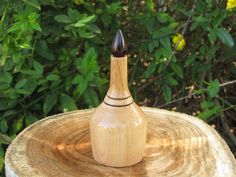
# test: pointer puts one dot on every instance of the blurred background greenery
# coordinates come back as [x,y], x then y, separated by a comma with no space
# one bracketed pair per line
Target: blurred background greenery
[54,57]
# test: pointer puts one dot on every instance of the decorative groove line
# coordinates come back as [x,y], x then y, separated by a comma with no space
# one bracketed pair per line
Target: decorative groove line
[124,105]
[118,98]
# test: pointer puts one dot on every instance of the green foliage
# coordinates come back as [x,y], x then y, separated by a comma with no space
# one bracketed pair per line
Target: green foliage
[49,102]
[213,88]
[55,55]
[225,37]
[209,109]
[67,103]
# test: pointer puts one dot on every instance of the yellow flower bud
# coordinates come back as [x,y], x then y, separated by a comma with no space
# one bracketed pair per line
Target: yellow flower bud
[179,42]
[231,4]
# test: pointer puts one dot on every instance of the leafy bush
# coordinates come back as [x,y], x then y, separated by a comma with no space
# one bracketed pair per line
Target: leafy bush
[55,56]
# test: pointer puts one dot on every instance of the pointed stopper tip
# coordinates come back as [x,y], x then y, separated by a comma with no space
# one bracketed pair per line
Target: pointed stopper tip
[119,48]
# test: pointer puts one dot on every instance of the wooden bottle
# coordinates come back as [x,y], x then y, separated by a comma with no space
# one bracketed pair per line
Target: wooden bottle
[118,126]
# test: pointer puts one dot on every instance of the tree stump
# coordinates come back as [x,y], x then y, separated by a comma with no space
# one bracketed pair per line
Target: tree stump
[177,145]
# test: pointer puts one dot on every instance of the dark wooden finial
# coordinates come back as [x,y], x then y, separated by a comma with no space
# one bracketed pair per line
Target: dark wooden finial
[119,48]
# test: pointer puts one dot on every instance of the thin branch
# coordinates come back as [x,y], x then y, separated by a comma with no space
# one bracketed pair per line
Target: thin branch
[226,126]
[228,83]
[177,100]
[192,94]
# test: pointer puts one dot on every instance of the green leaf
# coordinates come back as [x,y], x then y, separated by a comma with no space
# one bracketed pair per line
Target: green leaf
[209,2]
[52,77]
[212,36]
[166,91]
[90,76]
[162,17]
[31,73]
[33,3]
[17,58]
[200,68]
[3,125]
[49,102]
[171,27]
[177,69]
[6,104]
[225,37]
[194,26]
[30,118]
[150,69]
[200,5]
[24,46]
[77,79]
[1,150]
[220,15]
[73,13]
[31,85]
[85,34]
[16,27]
[32,17]
[20,84]
[63,19]
[87,19]
[91,97]
[89,62]
[6,77]
[94,28]
[213,88]
[106,19]
[43,50]
[207,104]
[150,5]
[17,125]
[206,114]
[23,92]
[82,22]
[83,86]
[38,67]
[165,41]
[35,26]
[67,103]
[171,81]
[1,163]
[9,113]
[5,139]
[200,19]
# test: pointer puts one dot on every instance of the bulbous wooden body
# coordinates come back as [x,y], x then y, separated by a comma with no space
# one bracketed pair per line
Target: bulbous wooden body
[118,126]
[118,135]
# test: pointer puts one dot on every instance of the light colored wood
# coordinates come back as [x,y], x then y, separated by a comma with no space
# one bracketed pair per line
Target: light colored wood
[118,135]
[178,145]
[118,88]
[118,126]
[118,78]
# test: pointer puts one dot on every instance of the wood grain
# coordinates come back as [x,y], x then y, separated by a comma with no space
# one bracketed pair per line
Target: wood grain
[118,125]
[118,135]
[177,145]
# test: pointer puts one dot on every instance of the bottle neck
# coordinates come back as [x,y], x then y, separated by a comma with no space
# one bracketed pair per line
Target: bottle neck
[118,78]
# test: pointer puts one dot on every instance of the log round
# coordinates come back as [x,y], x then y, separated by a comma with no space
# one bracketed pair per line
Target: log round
[177,145]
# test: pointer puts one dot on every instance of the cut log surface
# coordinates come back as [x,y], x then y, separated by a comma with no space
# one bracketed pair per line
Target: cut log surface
[177,145]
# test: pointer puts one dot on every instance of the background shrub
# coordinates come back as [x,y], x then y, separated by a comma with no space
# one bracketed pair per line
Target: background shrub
[55,58]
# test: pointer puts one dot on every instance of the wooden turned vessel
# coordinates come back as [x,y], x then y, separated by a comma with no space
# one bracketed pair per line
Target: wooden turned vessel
[118,126]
